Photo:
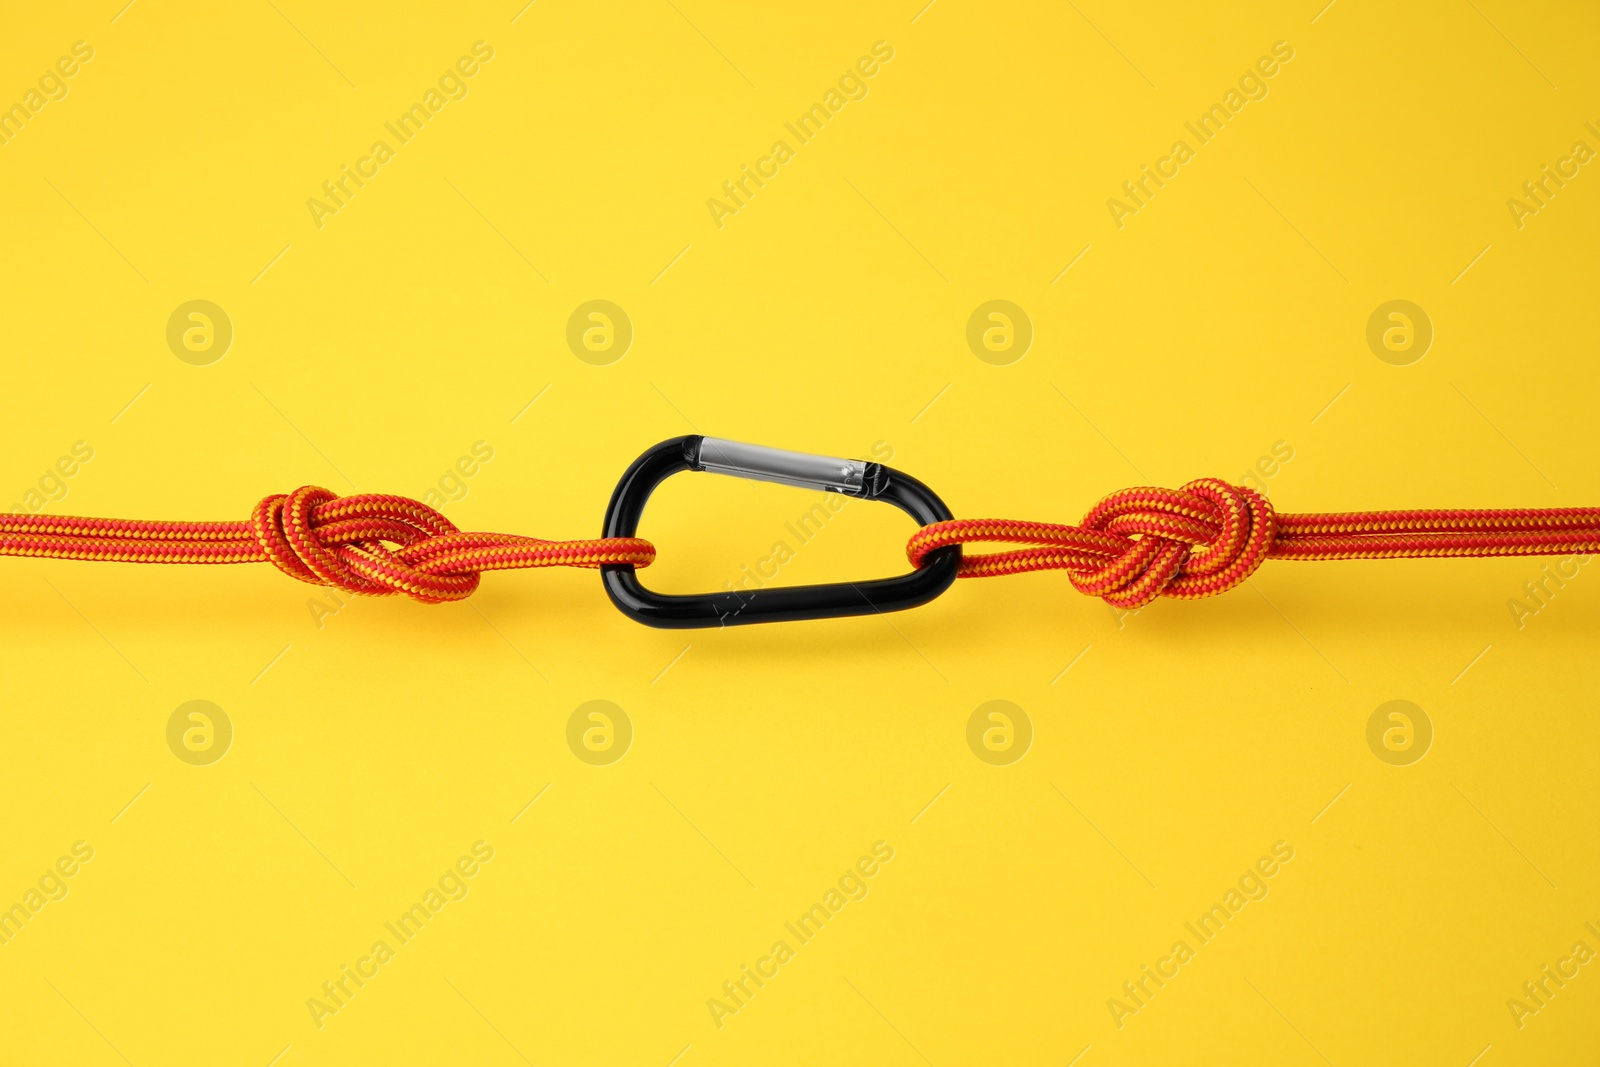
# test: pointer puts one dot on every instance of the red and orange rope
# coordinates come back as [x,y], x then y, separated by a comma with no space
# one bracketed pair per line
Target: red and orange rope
[1209,536]
[1132,547]
[324,539]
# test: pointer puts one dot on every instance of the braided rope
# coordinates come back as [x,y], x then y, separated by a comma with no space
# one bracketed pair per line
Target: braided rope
[1132,547]
[318,537]
[1209,536]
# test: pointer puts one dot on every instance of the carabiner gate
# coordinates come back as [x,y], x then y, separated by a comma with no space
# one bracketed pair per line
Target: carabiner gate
[871,481]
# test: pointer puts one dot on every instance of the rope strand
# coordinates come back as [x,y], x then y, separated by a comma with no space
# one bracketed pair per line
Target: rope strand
[1132,547]
[1209,536]
[317,537]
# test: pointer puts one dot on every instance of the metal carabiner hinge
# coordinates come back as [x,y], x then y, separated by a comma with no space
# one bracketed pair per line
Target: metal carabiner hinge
[735,607]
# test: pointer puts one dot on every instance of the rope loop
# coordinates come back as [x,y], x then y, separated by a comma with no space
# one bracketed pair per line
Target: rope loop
[374,544]
[1187,543]
[324,539]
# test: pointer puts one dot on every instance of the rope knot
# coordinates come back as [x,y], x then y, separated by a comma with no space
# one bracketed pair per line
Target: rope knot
[1186,543]
[325,539]
[319,537]
[1132,547]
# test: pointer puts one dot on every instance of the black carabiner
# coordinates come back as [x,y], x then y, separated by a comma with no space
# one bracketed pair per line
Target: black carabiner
[871,481]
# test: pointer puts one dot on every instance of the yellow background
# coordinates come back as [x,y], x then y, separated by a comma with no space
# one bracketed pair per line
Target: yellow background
[830,313]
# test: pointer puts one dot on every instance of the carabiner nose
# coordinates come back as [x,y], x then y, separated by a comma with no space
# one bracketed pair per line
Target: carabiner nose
[853,477]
